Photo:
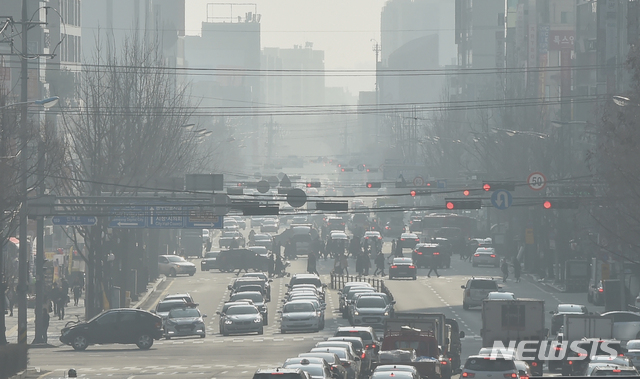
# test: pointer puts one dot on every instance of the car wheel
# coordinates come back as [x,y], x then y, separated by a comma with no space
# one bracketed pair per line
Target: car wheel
[145,342]
[265,320]
[192,274]
[282,331]
[80,343]
[415,278]
[205,269]
[173,272]
[465,306]
[225,333]
[260,331]
[167,337]
[203,335]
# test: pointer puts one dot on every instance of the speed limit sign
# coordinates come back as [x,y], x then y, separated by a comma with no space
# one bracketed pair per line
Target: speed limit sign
[537,181]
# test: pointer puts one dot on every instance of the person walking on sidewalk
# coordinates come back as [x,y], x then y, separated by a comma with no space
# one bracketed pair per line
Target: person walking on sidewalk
[77,292]
[379,264]
[45,324]
[505,270]
[344,264]
[11,297]
[516,269]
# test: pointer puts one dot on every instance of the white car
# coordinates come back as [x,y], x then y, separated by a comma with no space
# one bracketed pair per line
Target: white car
[300,315]
[485,256]
[484,367]
[172,265]
[501,296]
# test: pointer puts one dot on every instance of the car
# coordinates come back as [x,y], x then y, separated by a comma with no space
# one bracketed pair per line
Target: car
[115,326]
[342,344]
[403,268]
[308,279]
[259,250]
[226,306]
[163,307]
[610,360]
[486,367]
[317,371]
[299,220]
[210,261]
[563,309]
[174,265]
[359,295]
[595,294]
[574,364]
[299,315]
[184,296]
[228,236]
[257,299]
[397,368]
[372,238]
[264,277]
[241,319]
[338,371]
[476,290]
[394,375]
[626,325]
[366,333]
[265,240]
[345,291]
[185,321]
[335,223]
[269,225]
[409,240]
[350,362]
[501,296]
[485,256]
[370,311]
[242,224]
[503,353]
[281,373]
[357,204]
[353,292]
[524,371]
[256,221]
[601,371]
[633,352]
[360,349]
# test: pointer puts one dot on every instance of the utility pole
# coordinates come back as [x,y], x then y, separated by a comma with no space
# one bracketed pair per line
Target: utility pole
[22,249]
[377,49]
[270,132]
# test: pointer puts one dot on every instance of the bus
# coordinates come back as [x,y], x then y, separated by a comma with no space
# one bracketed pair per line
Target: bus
[457,229]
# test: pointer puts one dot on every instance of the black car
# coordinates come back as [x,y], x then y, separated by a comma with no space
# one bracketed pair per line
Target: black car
[423,253]
[403,268]
[210,261]
[123,326]
[231,260]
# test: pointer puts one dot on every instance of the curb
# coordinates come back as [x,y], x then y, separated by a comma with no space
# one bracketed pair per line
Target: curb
[27,372]
[150,291]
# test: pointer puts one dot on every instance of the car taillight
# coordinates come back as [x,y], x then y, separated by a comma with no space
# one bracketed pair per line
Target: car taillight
[394,266]
[373,346]
[401,239]
[621,355]
[582,354]
[476,255]
[412,266]
[419,252]
[444,362]
[600,289]
[534,364]
[436,253]
[558,348]
[363,355]
[616,370]
[417,239]
[468,375]
[512,375]
[493,255]
[570,362]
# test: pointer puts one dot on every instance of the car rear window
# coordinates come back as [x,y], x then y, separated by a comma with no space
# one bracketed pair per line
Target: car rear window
[278,375]
[614,372]
[365,335]
[484,285]
[371,302]
[486,364]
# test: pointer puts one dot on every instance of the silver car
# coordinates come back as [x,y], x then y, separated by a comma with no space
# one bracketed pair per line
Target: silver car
[241,319]
[483,367]
[173,265]
[183,322]
[350,362]
[370,311]
[300,315]
[485,256]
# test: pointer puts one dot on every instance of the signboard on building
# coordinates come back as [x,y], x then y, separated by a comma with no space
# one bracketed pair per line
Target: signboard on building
[561,39]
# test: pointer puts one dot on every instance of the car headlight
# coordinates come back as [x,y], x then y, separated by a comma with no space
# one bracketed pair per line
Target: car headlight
[386,313]
[228,322]
[257,320]
[356,313]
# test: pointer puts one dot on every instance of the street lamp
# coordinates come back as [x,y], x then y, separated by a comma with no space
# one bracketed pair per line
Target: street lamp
[47,103]
[621,101]
[188,127]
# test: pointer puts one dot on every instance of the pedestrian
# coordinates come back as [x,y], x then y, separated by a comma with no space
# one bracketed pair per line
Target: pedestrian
[234,244]
[516,269]
[61,300]
[279,266]
[366,261]
[45,324]
[393,245]
[252,239]
[505,270]
[311,263]
[272,265]
[434,262]
[344,264]
[11,297]
[379,264]
[54,295]
[398,251]
[77,292]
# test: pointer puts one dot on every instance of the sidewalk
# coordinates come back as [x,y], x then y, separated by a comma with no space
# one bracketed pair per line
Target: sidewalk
[72,313]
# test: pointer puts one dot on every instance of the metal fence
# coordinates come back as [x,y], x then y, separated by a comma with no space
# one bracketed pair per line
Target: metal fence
[338,282]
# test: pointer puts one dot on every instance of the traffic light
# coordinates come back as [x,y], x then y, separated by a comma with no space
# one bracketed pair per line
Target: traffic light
[420,192]
[374,185]
[463,204]
[466,192]
[494,186]
[561,204]
[314,184]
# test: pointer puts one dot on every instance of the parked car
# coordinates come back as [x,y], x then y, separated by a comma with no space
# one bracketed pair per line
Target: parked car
[121,326]
[173,265]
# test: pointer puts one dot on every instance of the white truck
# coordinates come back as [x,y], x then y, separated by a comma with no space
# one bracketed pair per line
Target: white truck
[514,321]
[576,327]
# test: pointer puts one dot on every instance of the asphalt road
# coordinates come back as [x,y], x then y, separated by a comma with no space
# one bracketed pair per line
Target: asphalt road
[239,356]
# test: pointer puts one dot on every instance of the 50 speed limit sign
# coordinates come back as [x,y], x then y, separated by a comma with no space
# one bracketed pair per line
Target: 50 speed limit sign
[537,181]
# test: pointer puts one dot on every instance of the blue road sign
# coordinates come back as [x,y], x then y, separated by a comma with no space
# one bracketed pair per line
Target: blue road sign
[501,199]
[441,183]
[129,217]
[203,219]
[74,220]
[165,217]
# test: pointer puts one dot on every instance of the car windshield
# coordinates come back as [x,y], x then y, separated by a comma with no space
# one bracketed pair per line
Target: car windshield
[486,364]
[255,297]
[313,370]
[298,307]
[609,371]
[167,306]
[484,285]
[568,308]
[242,310]
[212,255]
[371,302]
[633,345]
[184,312]
[176,258]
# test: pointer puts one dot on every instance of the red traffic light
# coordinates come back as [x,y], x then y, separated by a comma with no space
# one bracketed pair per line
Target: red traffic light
[466,192]
[486,187]
[369,185]
[546,204]
[308,185]
[450,205]
[413,192]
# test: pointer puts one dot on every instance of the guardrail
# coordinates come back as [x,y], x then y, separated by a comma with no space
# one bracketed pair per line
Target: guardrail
[338,282]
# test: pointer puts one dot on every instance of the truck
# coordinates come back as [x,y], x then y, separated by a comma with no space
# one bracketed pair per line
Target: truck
[576,275]
[409,346]
[191,244]
[577,327]
[514,321]
[447,333]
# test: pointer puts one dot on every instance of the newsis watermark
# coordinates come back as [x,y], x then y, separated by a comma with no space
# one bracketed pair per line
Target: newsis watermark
[550,350]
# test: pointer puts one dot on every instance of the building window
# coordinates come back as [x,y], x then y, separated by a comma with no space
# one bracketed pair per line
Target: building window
[564,18]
